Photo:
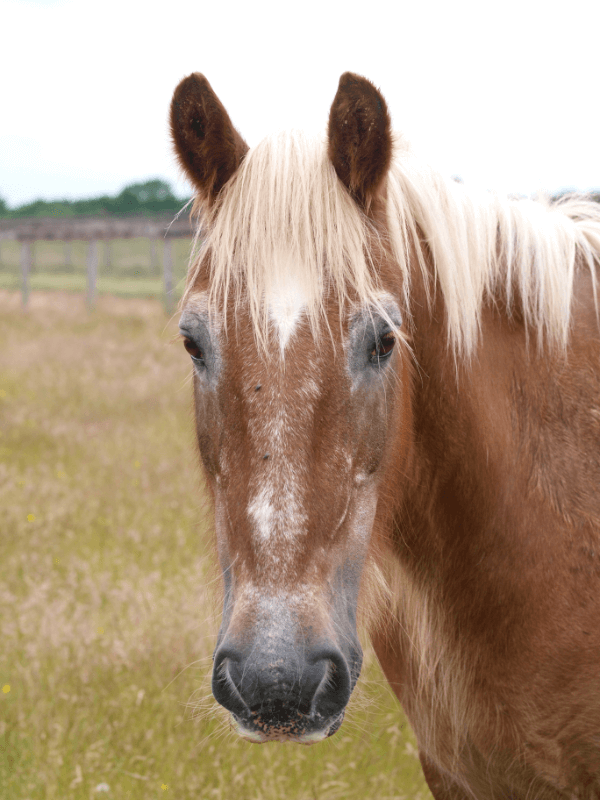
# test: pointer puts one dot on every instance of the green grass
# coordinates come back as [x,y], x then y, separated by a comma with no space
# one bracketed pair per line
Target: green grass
[65,282]
[108,613]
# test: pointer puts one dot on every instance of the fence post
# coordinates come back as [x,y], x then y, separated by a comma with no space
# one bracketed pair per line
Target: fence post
[154,266]
[92,270]
[152,249]
[68,250]
[33,257]
[25,270]
[168,275]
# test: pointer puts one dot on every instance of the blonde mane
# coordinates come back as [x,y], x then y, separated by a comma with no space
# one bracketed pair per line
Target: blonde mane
[285,209]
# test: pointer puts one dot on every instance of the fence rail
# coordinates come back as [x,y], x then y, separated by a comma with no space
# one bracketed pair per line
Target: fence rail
[94,230]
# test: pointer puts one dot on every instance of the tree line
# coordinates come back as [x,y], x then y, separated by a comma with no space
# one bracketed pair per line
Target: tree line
[149,198]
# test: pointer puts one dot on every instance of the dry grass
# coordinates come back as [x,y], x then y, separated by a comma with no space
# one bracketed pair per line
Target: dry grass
[107,613]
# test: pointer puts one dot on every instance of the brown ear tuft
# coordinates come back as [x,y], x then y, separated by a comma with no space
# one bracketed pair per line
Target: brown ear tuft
[207,146]
[360,137]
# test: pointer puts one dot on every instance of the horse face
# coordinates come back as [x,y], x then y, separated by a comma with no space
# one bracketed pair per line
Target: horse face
[293,442]
[294,435]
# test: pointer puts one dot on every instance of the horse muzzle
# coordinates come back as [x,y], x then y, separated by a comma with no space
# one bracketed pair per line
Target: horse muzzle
[284,696]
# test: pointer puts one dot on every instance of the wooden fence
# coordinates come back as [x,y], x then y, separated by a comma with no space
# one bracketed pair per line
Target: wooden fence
[94,230]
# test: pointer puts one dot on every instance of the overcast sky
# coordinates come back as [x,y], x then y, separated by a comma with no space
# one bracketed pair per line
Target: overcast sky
[503,94]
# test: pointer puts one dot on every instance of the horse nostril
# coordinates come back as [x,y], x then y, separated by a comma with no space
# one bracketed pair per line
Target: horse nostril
[224,686]
[338,678]
[335,687]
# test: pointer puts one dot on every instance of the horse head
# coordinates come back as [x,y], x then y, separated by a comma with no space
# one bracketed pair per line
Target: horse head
[297,361]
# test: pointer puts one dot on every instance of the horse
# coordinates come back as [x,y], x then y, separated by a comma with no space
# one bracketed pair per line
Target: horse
[396,391]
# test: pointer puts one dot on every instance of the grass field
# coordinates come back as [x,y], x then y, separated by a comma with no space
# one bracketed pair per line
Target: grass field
[107,612]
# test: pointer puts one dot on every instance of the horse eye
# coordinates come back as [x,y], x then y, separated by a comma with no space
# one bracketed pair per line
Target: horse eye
[193,349]
[383,348]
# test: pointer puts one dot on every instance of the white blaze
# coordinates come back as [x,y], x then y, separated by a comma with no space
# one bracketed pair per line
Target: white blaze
[286,301]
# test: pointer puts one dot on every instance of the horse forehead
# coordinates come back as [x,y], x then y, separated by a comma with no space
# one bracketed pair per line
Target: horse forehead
[282,387]
[294,356]
[287,303]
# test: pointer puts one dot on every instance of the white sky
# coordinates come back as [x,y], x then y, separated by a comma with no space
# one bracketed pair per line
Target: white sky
[504,94]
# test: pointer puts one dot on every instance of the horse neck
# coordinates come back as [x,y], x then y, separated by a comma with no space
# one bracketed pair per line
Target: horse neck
[460,437]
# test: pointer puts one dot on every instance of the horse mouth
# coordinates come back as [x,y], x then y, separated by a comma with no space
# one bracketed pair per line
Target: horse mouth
[285,733]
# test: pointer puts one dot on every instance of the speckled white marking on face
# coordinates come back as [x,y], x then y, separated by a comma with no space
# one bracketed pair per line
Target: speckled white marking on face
[277,502]
[279,611]
[276,512]
[277,505]
[260,511]
[286,303]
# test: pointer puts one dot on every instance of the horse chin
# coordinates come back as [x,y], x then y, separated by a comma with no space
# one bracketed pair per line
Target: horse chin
[259,737]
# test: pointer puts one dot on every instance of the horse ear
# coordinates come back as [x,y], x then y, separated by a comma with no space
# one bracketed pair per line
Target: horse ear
[360,137]
[208,147]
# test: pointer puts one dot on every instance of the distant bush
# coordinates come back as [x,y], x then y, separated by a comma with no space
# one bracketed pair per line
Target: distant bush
[152,197]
